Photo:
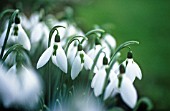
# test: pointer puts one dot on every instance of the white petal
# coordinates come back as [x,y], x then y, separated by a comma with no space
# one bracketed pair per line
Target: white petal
[71,54]
[128,92]
[94,81]
[112,85]
[98,88]
[108,90]
[3,37]
[76,67]
[106,48]
[110,40]
[36,33]
[53,38]
[115,67]
[88,62]
[130,72]
[54,60]
[12,69]
[45,57]
[61,59]
[138,70]
[71,30]
[23,38]
[91,53]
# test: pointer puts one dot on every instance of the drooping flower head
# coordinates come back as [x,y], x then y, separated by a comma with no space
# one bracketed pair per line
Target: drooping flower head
[56,52]
[81,59]
[99,78]
[132,68]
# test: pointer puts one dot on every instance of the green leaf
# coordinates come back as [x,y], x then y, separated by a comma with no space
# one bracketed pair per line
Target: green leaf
[146,101]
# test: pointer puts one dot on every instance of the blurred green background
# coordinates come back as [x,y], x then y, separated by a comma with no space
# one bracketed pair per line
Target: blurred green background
[147,21]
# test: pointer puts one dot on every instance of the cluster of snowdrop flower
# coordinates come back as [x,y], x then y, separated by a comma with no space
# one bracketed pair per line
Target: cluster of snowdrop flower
[68,48]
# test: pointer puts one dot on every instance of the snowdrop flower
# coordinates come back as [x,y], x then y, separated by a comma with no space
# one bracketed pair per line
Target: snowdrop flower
[132,68]
[56,52]
[94,51]
[123,85]
[40,32]
[18,35]
[98,80]
[109,43]
[20,86]
[81,59]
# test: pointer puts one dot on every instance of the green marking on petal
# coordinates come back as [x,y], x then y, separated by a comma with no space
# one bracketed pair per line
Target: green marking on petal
[55,47]
[82,58]
[120,81]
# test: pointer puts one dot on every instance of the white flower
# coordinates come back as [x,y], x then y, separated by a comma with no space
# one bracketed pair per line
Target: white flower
[19,36]
[123,85]
[40,32]
[93,53]
[128,92]
[20,86]
[109,43]
[81,59]
[98,81]
[132,68]
[58,56]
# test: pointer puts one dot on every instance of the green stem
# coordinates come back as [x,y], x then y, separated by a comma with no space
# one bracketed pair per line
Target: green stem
[5,12]
[8,31]
[51,33]
[73,39]
[11,49]
[94,32]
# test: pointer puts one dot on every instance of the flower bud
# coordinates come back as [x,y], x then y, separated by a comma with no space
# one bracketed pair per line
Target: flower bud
[129,55]
[97,41]
[122,69]
[105,60]
[57,38]
[80,48]
[17,20]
